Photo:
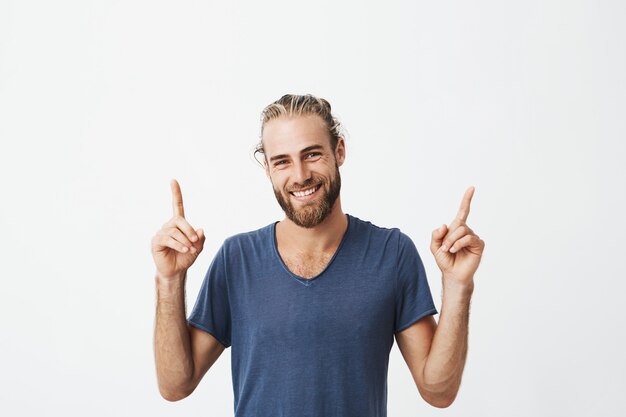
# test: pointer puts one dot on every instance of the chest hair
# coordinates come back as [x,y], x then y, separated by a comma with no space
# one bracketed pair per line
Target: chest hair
[306,266]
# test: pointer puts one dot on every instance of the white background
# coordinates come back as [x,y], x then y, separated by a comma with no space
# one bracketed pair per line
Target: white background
[102,102]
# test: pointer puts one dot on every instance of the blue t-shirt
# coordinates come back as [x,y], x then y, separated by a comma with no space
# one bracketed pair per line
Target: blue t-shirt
[319,346]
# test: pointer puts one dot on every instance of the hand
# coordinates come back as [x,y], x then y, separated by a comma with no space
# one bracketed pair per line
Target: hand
[458,250]
[177,245]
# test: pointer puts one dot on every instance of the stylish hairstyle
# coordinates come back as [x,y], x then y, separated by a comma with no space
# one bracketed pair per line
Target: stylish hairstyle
[299,105]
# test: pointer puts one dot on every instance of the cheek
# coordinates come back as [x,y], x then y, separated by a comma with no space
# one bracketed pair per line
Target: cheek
[278,181]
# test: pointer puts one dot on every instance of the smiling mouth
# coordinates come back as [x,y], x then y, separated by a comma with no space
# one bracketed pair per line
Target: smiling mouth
[305,192]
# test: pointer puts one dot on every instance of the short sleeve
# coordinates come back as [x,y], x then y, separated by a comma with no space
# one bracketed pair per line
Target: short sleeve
[413,297]
[211,312]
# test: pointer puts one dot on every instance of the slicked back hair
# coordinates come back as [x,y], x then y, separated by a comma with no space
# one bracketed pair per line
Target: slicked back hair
[301,105]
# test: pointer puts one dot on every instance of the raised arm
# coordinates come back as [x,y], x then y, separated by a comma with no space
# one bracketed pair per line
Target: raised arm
[436,353]
[183,354]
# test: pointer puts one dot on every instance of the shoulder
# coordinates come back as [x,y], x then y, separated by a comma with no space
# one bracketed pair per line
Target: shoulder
[392,239]
[253,242]
[380,233]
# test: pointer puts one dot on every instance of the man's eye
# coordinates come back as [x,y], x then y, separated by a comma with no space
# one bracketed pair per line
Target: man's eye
[280,163]
[313,154]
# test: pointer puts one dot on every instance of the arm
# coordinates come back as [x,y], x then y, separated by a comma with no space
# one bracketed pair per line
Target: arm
[183,354]
[436,354]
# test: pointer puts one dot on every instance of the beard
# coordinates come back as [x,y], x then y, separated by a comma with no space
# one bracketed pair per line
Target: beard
[313,213]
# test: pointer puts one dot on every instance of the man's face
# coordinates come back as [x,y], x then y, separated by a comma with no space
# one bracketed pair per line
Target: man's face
[303,168]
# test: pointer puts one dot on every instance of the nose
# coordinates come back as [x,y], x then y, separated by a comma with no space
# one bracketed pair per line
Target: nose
[301,173]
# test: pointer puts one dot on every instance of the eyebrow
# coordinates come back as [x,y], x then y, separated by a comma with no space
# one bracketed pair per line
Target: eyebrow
[307,149]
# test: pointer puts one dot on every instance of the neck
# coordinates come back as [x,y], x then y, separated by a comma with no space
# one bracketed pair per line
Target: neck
[323,237]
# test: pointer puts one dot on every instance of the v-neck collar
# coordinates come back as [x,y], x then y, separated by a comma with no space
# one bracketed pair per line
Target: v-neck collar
[308,281]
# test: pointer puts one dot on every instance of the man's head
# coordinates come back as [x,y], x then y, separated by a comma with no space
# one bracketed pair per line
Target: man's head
[303,149]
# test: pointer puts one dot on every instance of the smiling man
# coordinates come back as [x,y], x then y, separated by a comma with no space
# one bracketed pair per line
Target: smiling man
[289,134]
[311,304]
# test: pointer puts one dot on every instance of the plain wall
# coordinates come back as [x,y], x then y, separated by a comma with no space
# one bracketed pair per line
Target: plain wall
[102,102]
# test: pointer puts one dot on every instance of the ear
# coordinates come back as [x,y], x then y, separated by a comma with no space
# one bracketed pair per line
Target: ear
[266,167]
[340,151]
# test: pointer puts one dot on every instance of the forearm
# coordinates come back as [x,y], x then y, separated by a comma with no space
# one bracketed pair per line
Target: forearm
[444,365]
[172,343]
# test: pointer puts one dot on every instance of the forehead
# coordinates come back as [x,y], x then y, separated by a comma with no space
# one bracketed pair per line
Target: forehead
[291,134]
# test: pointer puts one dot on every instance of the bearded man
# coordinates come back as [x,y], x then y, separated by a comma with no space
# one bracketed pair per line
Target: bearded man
[311,304]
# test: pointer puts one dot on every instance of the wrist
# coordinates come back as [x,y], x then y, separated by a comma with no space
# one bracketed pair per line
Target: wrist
[451,285]
[163,281]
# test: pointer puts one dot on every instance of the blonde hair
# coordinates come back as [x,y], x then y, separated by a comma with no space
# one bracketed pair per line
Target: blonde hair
[301,105]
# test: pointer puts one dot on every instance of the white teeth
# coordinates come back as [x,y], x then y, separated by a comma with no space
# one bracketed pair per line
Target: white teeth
[305,193]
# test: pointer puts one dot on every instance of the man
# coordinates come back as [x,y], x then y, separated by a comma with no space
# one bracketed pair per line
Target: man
[311,304]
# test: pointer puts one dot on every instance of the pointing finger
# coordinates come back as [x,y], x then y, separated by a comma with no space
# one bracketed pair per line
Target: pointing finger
[465,205]
[177,199]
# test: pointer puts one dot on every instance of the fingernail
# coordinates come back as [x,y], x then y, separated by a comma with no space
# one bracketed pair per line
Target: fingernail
[194,238]
[185,248]
[452,249]
[193,249]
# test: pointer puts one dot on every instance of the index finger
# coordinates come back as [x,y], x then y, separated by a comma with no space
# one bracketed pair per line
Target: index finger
[177,199]
[465,205]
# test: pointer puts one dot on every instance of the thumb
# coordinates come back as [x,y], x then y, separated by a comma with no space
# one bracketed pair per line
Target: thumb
[199,244]
[437,238]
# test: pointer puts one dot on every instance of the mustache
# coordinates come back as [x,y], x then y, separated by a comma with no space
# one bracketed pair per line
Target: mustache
[307,184]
